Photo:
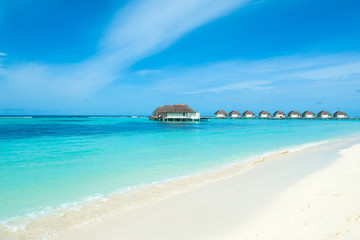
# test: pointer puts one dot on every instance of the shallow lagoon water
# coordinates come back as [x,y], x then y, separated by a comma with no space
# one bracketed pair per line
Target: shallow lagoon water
[47,162]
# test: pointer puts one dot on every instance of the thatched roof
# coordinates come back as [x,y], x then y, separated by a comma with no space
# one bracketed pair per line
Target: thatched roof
[308,113]
[176,108]
[234,112]
[264,113]
[221,112]
[323,113]
[339,113]
[293,113]
[279,113]
[248,112]
[157,110]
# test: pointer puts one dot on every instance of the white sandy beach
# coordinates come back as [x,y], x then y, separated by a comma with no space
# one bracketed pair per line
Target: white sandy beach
[309,194]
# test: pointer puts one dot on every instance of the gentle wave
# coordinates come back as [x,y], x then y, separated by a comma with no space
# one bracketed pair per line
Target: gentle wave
[15,117]
[48,222]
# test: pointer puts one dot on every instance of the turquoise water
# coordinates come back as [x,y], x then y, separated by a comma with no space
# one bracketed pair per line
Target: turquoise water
[46,162]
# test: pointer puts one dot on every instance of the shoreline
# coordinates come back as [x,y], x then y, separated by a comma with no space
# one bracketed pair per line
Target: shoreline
[100,208]
[324,205]
[218,210]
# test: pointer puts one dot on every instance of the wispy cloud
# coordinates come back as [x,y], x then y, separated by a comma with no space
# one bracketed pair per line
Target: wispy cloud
[242,85]
[145,27]
[258,75]
[2,59]
[138,30]
[297,81]
[333,72]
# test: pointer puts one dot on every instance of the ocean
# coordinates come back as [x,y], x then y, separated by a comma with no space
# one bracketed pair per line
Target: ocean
[50,166]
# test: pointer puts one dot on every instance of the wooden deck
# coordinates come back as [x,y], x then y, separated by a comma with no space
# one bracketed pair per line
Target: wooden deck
[175,119]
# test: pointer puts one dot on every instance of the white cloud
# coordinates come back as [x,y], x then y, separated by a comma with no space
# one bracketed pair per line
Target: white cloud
[297,81]
[252,85]
[2,59]
[145,27]
[257,75]
[329,72]
[138,30]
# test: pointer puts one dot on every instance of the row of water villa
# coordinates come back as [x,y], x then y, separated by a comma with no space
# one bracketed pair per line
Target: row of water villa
[281,115]
[182,112]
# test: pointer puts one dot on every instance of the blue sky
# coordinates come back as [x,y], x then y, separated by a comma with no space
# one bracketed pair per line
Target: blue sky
[128,57]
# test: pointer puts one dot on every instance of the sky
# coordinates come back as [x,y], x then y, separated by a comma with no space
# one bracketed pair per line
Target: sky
[111,57]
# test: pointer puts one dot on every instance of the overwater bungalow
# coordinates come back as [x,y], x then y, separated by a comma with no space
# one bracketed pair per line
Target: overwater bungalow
[279,114]
[234,114]
[176,112]
[340,115]
[248,114]
[293,114]
[220,114]
[323,115]
[264,114]
[308,114]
